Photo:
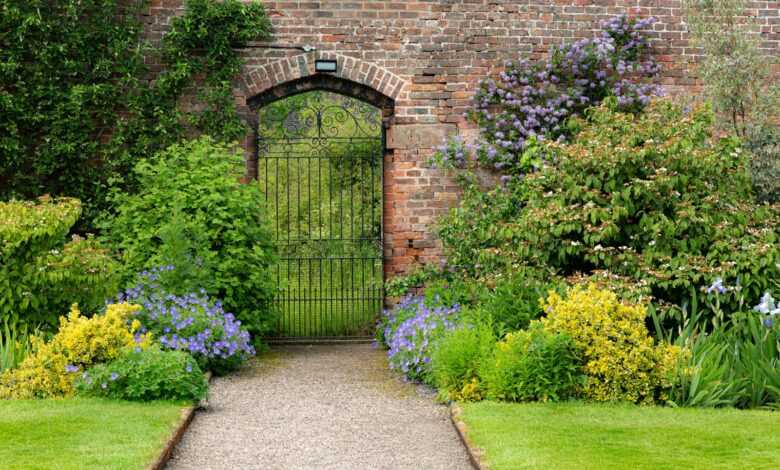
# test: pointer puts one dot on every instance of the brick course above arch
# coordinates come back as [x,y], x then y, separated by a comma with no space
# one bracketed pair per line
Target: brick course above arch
[260,80]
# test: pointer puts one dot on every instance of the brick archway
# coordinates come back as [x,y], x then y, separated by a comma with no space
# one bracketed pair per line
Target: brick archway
[414,194]
[266,79]
[338,82]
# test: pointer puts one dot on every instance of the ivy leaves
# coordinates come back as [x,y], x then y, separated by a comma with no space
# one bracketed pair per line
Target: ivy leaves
[77,108]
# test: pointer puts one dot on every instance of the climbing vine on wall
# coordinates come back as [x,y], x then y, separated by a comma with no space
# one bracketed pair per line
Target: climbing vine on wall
[78,105]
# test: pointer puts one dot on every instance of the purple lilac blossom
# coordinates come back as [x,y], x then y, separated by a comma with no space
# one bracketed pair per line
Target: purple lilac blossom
[528,100]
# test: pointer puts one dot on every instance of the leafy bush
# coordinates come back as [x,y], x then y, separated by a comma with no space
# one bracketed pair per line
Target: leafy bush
[764,146]
[80,343]
[510,299]
[222,218]
[533,365]
[39,272]
[648,198]
[620,359]
[514,301]
[457,359]
[190,322]
[410,332]
[145,375]
[533,101]
[78,107]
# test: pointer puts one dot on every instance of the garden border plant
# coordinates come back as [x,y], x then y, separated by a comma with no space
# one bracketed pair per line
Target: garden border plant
[639,199]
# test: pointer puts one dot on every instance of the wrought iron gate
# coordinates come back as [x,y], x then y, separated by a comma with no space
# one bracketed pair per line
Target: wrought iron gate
[320,165]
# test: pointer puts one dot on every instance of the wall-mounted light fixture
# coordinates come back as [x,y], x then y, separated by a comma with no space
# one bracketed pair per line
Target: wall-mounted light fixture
[325,65]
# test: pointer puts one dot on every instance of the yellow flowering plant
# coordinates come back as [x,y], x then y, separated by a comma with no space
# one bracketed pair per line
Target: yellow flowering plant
[80,343]
[621,360]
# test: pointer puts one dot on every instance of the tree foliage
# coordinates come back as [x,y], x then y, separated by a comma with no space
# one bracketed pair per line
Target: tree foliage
[738,80]
[41,273]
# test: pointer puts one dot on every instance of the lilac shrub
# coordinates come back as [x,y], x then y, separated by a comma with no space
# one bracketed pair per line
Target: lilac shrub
[410,330]
[192,322]
[530,102]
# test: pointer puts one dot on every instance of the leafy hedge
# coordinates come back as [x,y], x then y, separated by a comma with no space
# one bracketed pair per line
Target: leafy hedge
[77,108]
[41,274]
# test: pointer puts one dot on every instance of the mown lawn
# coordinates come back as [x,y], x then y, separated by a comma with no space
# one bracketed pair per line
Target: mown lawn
[584,436]
[83,433]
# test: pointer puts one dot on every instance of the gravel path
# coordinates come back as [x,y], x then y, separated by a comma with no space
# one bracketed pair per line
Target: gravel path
[323,407]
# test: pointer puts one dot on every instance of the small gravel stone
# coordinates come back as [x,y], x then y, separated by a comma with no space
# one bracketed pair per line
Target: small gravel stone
[319,407]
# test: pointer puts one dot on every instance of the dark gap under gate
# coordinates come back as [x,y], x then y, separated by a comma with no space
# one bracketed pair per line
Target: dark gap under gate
[320,164]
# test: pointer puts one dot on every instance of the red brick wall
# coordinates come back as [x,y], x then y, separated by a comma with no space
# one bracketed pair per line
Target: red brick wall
[428,56]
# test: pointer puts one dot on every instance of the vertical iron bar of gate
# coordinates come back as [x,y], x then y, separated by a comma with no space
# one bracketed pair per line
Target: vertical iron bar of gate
[341,305]
[381,291]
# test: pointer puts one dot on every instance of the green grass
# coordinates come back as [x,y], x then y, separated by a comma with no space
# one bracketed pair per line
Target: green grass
[584,436]
[83,433]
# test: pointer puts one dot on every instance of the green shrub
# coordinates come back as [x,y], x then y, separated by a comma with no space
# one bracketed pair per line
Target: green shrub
[619,357]
[40,274]
[457,358]
[510,299]
[453,290]
[223,219]
[515,300]
[145,375]
[533,365]
[78,108]
[653,198]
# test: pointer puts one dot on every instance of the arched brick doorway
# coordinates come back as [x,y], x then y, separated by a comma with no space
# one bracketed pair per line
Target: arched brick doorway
[319,157]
